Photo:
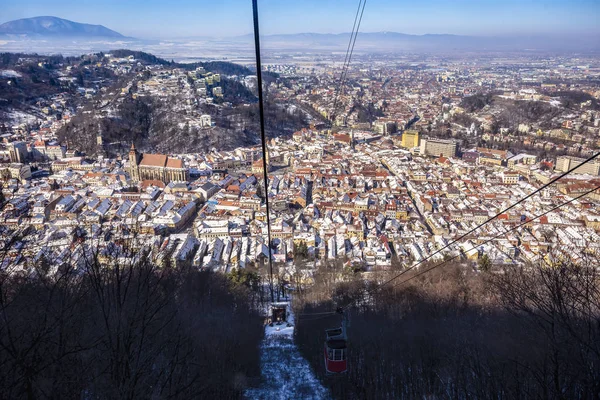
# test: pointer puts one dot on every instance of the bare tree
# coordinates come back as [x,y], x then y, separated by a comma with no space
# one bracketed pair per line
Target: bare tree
[122,322]
[521,333]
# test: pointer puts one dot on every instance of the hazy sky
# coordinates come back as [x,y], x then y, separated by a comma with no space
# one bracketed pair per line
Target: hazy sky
[176,18]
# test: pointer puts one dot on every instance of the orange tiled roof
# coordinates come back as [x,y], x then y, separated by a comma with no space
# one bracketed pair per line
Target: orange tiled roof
[154,160]
[91,175]
[174,163]
[342,138]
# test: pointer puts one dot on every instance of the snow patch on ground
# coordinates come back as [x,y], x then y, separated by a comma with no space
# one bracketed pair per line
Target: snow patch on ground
[285,373]
[9,73]
[555,103]
[15,117]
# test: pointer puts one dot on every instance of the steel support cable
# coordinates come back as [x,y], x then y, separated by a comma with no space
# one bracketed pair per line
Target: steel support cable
[378,287]
[261,112]
[488,241]
[497,236]
[353,43]
[352,33]
[318,313]
[481,244]
[345,74]
[315,318]
[490,219]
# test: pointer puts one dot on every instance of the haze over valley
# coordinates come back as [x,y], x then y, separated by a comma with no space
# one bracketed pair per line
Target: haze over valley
[52,35]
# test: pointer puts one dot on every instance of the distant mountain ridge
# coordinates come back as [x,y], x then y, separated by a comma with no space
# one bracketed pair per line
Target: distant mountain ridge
[56,27]
[396,41]
[56,35]
[369,41]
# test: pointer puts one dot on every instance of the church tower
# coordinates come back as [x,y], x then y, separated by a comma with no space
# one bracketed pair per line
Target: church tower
[100,145]
[134,161]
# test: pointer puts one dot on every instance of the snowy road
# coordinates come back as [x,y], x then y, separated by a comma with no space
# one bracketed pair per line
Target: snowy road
[286,374]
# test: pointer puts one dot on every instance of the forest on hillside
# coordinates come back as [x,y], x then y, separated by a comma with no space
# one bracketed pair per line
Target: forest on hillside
[152,124]
[80,327]
[515,333]
[36,79]
[113,325]
[508,113]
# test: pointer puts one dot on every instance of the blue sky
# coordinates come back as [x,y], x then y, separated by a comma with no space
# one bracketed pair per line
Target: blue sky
[177,18]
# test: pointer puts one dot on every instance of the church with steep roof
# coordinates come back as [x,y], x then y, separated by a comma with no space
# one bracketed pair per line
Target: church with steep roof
[157,167]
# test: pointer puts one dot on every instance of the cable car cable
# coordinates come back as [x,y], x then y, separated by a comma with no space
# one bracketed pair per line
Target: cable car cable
[353,43]
[329,360]
[347,66]
[491,219]
[261,113]
[497,236]
[344,65]
[314,318]
[378,287]
[341,89]
[352,33]
[319,313]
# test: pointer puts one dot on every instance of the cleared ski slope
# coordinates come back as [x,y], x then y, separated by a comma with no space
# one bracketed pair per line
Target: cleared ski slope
[285,373]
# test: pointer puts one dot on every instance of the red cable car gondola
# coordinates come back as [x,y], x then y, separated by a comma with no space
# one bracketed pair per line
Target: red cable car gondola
[335,349]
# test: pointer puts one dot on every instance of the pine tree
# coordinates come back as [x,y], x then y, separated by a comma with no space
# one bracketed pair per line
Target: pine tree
[484,263]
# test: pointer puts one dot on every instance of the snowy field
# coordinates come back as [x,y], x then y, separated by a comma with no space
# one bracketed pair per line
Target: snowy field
[285,373]
[9,73]
[15,117]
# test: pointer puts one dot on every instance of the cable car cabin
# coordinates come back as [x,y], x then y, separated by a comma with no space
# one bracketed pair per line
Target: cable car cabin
[278,313]
[335,351]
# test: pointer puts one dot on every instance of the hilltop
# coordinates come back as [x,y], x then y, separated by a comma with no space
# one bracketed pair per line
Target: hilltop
[55,27]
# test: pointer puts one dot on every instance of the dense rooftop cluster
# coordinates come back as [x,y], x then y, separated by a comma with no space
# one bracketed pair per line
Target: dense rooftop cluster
[416,157]
[369,202]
